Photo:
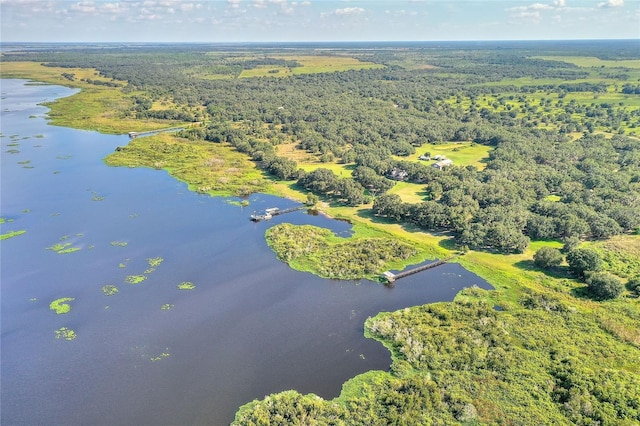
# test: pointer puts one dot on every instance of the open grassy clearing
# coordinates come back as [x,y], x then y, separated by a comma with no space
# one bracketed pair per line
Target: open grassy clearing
[310,65]
[461,153]
[409,192]
[592,62]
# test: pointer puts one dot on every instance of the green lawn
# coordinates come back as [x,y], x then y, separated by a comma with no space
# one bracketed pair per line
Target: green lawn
[461,153]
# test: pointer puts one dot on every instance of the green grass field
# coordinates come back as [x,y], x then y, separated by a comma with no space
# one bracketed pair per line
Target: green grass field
[591,62]
[310,65]
[461,153]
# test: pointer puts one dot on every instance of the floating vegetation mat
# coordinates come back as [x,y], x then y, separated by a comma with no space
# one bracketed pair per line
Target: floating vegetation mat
[65,333]
[109,290]
[12,234]
[135,279]
[63,248]
[186,285]
[155,261]
[159,357]
[60,306]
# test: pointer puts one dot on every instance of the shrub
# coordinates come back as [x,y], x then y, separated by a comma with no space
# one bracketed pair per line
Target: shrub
[634,285]
[547,257]
[604,286]
[583,260]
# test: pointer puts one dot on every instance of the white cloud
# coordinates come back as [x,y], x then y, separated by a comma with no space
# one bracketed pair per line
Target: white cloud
[611,3]
[349,11]
[84,7]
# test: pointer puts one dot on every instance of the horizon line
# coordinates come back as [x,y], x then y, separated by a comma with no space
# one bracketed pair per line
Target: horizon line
[316,41]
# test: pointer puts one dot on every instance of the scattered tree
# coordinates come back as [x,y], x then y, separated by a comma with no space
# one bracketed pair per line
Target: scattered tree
[603,285]
[583,260]
[547,257]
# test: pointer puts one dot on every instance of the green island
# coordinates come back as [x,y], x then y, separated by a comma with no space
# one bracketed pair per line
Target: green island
[526,159]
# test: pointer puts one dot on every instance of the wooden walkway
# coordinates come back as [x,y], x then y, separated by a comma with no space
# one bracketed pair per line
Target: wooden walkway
[134,135]
[390,277]
[274,211]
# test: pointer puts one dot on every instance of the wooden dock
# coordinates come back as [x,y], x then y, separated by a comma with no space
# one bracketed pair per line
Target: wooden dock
[390,277]
[273,211]
[133,135]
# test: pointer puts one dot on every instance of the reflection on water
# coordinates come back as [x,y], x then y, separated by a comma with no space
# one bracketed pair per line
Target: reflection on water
[153,352]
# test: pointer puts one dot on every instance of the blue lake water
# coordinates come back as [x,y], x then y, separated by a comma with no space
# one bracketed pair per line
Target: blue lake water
[250,327]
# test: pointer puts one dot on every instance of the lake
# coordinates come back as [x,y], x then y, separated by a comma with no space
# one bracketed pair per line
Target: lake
[154,354]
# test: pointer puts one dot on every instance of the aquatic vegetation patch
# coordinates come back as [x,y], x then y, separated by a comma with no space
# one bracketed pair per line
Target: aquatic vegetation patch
[60,306]
[13,151]
[12,234]
[155,261]
[135,279]
[159,357]
[63,248]
[242,203]
[119,243]
[186,285]
[109,290]
[97,198]
[64,157]
[149,271]
[65,333]
[166,307]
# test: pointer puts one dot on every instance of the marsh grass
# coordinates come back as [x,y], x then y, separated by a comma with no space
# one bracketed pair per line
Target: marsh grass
[99,108]
[190,162]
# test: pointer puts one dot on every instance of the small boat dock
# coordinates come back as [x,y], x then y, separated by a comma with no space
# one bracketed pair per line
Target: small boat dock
[390,277]
[273,211]
[134,135]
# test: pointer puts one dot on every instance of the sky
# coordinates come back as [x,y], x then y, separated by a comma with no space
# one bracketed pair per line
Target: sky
[315,20]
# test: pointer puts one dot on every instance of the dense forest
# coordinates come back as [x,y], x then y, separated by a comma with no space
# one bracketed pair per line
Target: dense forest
[556,167]
[545,142]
